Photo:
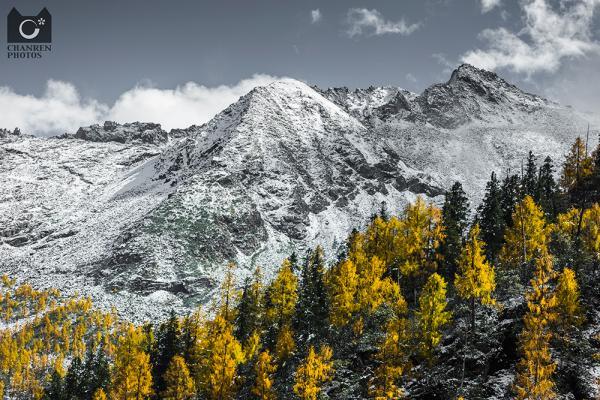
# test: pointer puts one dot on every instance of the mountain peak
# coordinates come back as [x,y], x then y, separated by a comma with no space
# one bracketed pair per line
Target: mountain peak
[470,71]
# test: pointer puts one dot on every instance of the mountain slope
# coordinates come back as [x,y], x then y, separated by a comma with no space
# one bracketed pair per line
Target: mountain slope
[154,217]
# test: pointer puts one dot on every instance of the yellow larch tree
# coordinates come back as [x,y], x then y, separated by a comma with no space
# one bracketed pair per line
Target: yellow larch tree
[590,232]
[131,372]
[99,395]
[179,383]
[536,367]
[283,295]
[265,369]
[313,372]
[578,165]
[395,350]
[224,356]
[432,315]
[342,283]
[568,307]
[229,294]
[528,237]
[421,233]
[476,278]
[586,225]
[285,344]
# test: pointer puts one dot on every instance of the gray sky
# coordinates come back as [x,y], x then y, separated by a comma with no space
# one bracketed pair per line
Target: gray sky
[109,58]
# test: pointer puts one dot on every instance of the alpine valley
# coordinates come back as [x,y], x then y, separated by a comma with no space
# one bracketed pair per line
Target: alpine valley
[132,214]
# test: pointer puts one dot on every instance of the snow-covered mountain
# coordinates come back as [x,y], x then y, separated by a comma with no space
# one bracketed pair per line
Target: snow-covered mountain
[146,219]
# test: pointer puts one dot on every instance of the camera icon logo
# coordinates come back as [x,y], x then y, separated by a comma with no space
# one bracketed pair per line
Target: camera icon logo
[29,29]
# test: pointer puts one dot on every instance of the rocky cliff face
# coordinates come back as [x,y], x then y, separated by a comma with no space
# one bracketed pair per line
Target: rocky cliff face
[130,212]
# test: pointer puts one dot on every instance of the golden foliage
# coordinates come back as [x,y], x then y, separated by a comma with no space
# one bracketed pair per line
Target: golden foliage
[432,315]
[263,385]
[528,237]
[179,384]
[315,370]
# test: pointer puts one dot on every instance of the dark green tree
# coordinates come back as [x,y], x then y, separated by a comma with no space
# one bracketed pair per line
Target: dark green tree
[294,261]
[74,385]
[511,194]
[165,347]
[491,218]
[249,309]
[54,389]
[529,184]
[548,193]
[311,320]
[454,218]
[96,373]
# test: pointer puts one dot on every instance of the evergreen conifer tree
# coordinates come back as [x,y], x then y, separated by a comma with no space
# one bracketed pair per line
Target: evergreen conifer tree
[313,304]
[529,183]
[454,220]
[548,194]
[491,218]
[167,344]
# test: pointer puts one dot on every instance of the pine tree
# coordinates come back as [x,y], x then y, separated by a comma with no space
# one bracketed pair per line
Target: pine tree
[98,368]
[454,220]
[249,314]
[476,280]
[54,390]
[548,195]
[432,315]
[265,369]
[529,184]
[166,346]
[595,176]
[315,370]
[491,218]
[312,311]
[528,237]
[178,383]
[511,195]
[536,367]
[74,387]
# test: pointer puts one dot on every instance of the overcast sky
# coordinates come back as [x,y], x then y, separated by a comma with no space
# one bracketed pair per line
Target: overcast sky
[179,62]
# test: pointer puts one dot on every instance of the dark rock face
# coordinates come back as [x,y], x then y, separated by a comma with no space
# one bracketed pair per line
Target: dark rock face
[113,132]
[469,95]
[6,133]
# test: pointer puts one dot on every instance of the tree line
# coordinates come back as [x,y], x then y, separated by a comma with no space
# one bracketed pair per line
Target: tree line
[425,304]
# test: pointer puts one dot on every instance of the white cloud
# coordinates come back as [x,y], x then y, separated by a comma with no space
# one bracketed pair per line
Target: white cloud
[362,21]
[183,106]
[489,5]
[549,36]
[315,16]
[61,109]
[58,110]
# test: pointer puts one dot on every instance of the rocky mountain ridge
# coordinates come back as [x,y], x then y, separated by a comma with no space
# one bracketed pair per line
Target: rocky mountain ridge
[132,213]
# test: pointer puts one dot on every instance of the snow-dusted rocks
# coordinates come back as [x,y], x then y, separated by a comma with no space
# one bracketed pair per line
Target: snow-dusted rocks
[131,214]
